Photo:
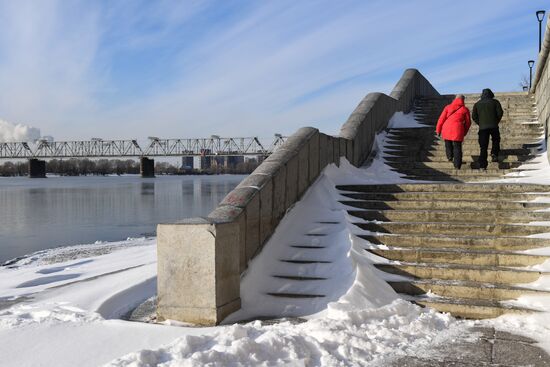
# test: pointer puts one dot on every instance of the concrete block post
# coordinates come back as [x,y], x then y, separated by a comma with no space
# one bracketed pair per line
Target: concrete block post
[342,151]
[303,169]
[336,150]
[329,149]
[198,271]
[291,181]
[247,198]
[313,162]
[37,168]
[272,194]
[323,149]
[147,167]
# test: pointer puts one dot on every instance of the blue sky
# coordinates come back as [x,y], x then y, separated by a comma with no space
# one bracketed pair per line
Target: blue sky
[132,69]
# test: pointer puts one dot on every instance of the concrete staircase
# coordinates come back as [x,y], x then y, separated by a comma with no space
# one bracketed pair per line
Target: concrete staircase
[419,154]
[454,245]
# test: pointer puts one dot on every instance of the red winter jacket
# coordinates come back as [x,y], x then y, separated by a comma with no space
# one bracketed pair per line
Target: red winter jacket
[454,122]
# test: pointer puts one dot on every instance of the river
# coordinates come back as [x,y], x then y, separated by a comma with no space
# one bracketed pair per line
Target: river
[37,214]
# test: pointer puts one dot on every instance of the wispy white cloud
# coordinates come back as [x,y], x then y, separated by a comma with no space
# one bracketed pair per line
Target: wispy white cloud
[85,69]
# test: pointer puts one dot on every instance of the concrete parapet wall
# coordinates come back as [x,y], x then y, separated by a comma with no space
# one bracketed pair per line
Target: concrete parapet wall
[541,84]
[200,260]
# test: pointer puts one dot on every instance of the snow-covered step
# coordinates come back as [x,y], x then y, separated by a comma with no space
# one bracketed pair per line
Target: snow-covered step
[446,187]
[451,228]
[476,273]
[460,256]
[455,196]
[463,289]
[471,308]
[465,241]
[457,216]
[444,204]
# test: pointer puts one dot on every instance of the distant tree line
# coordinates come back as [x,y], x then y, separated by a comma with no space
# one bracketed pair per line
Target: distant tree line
[83,167]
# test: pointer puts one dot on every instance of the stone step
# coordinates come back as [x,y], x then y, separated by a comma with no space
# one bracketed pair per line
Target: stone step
[473,273]
[471,150]
[444,204]
[446,178]
[430,120]
[418,187]
[509,134]
[432,116]
[435,112]
[458,216]
[468,142]
[446,196]
[437,109]
[443,165]
[471,242]
[470,309]
[442,157]
[456,229]
[459,256]
[462,289]
[506,134]
[295,295]
[440,144]
[438,150]
[522,107]
[459,173]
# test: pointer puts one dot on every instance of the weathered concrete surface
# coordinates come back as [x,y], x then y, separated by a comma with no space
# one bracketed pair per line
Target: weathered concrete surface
[541,83]
[250,213]
[203,259]
[480,347]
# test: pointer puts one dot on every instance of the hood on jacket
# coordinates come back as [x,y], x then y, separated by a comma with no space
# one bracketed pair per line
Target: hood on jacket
[457,102]
[487,93]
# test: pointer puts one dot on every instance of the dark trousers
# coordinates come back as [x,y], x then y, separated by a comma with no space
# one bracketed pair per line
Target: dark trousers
[453,149]
[483,136]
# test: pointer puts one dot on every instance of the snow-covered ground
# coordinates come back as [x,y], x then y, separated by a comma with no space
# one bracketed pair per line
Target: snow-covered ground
[62,307]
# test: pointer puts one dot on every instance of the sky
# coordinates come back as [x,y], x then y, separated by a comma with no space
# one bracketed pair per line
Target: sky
[184,69]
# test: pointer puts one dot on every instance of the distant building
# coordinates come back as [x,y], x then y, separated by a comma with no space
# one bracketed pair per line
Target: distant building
[231,161]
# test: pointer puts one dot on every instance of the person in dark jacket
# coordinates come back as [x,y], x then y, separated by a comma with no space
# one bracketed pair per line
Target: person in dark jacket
[453,124]
[487,113]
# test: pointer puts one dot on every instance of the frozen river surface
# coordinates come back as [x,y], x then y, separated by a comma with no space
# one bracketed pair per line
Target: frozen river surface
[37,214]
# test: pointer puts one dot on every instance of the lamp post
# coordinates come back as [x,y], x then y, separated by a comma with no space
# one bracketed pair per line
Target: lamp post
[540,17]
[530,63]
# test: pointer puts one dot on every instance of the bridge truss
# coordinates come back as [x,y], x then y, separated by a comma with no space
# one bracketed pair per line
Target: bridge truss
[157,147]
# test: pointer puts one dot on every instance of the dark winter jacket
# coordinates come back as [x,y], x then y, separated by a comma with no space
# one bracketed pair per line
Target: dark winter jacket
[487,112]
[454,122]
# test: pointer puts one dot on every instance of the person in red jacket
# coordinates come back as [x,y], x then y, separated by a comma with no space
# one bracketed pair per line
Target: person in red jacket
[452,126]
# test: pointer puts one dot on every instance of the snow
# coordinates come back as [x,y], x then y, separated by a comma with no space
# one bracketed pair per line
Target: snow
[63,307]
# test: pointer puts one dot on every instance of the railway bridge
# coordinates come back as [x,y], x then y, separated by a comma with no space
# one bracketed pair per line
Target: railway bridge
[230,149]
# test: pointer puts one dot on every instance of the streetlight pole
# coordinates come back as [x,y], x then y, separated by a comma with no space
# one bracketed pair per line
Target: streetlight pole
[530,63]
[540,17]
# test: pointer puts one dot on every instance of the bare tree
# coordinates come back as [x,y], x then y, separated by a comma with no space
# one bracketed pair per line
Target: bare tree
[524,83]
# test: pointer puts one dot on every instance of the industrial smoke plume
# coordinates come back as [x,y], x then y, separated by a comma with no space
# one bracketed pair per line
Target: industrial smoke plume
[17,132]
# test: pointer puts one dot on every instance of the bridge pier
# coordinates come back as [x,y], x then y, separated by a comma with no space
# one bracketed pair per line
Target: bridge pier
[147,167]
[37,168]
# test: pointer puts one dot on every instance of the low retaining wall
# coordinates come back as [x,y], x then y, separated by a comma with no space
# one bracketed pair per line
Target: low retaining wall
[200,260]
[541,85]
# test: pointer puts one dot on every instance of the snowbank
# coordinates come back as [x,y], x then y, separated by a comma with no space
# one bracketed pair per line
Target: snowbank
[64,304]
